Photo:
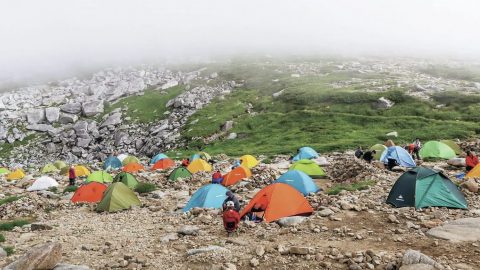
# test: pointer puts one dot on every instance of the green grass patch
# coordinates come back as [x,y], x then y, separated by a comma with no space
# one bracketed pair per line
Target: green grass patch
[8,226]
[6,148]
[362,185]
[70,189]
[2,238]
[149,107]
[9,199]
[145,188]
[9,250]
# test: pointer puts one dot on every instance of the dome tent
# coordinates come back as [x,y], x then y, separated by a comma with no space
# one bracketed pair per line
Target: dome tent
[43,183]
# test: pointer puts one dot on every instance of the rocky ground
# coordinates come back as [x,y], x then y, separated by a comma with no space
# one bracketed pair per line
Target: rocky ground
[350,230]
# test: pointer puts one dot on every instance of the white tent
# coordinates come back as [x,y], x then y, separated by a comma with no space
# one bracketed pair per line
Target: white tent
[43,183]
[122,157]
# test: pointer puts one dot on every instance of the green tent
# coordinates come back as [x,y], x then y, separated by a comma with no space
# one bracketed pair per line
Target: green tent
[436,150]
[309,167]
[126,178]
[453,145]
[180,172]
[130,159]
[424,187]
[100,177]
[379,148]
[60,164]
[4,171]
[118,197]
[49,168]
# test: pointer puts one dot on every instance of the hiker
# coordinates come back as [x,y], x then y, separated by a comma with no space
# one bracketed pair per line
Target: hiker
[417,145]
[368,156]
[359,152]
[185,162]
[391,161]
[471,161]
[72,175]
[231,198]
[217,178]
[231,218]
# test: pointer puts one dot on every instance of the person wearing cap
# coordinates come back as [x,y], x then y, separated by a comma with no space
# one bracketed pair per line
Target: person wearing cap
[231,198]
[231,218]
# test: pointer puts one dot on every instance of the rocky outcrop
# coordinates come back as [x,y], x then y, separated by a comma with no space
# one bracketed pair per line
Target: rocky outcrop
[45,256]
[92,108]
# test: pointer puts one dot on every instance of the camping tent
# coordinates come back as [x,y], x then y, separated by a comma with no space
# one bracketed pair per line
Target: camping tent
[436,150]
[401,155]
[423,187]
[100,177]
[201,155]
[43,183]
[90,193]
[163,164]
[305,153]
[79,171]
[122,157]
[112,163]
[235,175]
[157,158]
[199,165]
[209,196]
[180,172]
[474,173]
[133,167]
[300,181]
[118,197]
[49,168]
[126,178]
[379,148]
[60,164]
[16,175]
[309,167]
[249,161]
[453,145]
[279,200]
[130,159]
[4,171]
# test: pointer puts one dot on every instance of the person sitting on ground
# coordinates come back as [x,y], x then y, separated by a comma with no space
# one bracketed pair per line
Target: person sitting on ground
[72,175]
[231,198]
[368,156]
[185,162]
[417,145]
[471,161]
[359,152]
[231,218]
[217,178]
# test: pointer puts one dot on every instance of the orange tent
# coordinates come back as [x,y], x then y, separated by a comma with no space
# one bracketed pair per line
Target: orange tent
[163,164]
[236,175]
[133,167]
[279,200]
[91,192]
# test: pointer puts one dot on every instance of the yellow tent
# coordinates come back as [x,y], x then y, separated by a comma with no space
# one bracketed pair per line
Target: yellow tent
[17,174]
[199,165]
[474,173]
[60,164]
[49,168]
[79,171]
[249,161]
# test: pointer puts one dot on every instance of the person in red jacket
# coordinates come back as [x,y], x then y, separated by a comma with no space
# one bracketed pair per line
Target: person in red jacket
[217,178]
[231,218]
[72,175]
[471,160]
[185,163]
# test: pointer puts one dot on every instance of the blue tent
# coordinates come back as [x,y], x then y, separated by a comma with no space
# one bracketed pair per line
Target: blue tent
[305,153]
[209,196]
[300,181]
[194,156]
[157,158]
[398,153]
[112,163]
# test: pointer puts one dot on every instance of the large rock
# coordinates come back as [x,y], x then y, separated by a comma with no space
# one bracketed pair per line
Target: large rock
[291,221]
[169,84]
[81,129]
[73,108]
[227,126]
[112,120]
[52,114]
[63,266]
[383,103]
[3,133]
[120,138]
[456,162]
[83,142]
[44,256]
[92,108]
[68,118]
[471,185]
[40,127]
[412,257]
[189,230]
[35,116]
[215,249]
[418,266]
[3,253]
[460,230]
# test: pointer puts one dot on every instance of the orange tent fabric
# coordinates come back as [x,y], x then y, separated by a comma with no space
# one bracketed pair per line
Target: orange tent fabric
[163,164]
[133,167]
[279,200]
[236,175]
[91,193]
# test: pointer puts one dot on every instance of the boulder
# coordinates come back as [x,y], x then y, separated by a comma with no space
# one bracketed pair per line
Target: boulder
[35,116]
[460,230]
[92,108]
[169,84]
[43,256]
[412,257]
[40,127]
[456,162]
[52,114]
[81,129]
[67,118]
[188,230]
[83,142]
[112,120]
[215,249]
[227,126]
[62,266]
[383,103]
[471,185]
[326,212]
[73,108]
[120,138]
[417,266]
[3,253]
[232,136]
[291,221]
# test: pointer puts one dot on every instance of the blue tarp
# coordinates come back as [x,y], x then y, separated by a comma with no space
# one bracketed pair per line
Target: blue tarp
[398,153]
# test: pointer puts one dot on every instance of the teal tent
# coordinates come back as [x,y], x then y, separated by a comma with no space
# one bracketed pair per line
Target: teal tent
[300,181]
[112,163]
[209,196]
[157,158]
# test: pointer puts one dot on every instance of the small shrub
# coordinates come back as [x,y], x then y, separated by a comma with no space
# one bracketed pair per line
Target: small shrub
[8,226]
[362,185]
[145,188]
[9,250]
[53,189]
[267,161]
[70,189]
[2,238]
[9,199]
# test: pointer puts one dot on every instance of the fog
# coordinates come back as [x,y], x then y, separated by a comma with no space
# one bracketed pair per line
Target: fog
[57,37]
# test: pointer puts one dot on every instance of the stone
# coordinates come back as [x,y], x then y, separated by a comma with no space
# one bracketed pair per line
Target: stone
[35,116]
[120,138]
[83,142]
[232,136]
[62,266]
[457,162]
[383,103]
[227,126]
[254,262]
[92,108]
[67,118]
[112,120]
[215,249]
[260,250]
[299,250]
[326,212]
[169,84]
[291,221]
[188,230]
[460,230]
[40,227]
[3,253]
[393,219]
[43,256]
[40,127]
[471,185]
[52,114]
[169,237]
[72,108]
[417,266]
[416,257]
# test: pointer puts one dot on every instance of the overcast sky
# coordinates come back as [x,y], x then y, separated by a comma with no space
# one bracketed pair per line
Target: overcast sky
[54,36]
